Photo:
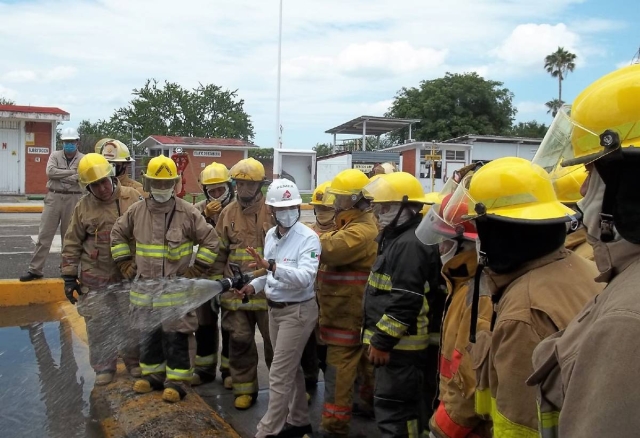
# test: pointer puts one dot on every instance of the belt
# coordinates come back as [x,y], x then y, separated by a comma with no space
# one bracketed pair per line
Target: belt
[64,192]
[283,304]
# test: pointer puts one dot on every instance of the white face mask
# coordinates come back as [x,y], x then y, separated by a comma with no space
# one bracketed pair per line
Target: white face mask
[161,195]
[385,219]
[287,218]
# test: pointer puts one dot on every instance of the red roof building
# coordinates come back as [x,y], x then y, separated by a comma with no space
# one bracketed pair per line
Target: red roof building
[27,138]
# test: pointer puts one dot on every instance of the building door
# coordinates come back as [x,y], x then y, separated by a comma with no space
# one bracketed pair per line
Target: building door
[10,157]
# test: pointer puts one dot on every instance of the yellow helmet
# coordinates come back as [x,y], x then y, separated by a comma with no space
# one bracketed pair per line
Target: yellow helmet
[318,193]
[348,182]
[610,103]
[507,188]
[395,187]
[115,152]
[248,169]
[567,182]
[214,173]
[98,146]
[161,167]
[433,197]
[93,167]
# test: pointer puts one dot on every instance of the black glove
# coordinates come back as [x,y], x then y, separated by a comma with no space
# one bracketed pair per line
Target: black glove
[71,284]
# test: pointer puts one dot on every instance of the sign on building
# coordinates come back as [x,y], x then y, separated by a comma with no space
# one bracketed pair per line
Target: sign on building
[210,154]
[363,167]
[33,150]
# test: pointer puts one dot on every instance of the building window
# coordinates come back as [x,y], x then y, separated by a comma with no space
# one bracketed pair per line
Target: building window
[455,155]
[155,152]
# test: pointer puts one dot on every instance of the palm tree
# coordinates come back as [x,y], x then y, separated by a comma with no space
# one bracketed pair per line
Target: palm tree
[558,65]
[554,106]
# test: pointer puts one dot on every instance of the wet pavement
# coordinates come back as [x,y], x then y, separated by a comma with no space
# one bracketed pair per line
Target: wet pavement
[45,376]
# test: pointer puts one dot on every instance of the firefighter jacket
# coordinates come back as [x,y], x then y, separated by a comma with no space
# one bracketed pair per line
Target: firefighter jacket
[456,415]
[238,228]
[125,181]
[587,375]
[63,173]
[395,302]
[347,256]
[532,303]
[321,229]
[165,234]
[87,242]
[577,242]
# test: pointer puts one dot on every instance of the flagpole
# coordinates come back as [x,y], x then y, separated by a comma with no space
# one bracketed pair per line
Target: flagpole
[278,132]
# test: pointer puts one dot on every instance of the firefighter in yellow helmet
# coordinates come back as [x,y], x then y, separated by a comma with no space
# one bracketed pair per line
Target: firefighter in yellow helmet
[86,250]
[117,153]
[241,224]
[567,182]
[455,416]
[314,357]
[165,229]
[347,256]
[581,371]
[537,285]
[97,148]
[396,308]
[218,192]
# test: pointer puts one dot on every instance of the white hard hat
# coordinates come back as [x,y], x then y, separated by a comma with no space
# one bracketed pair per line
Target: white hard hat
[283,193]
[69,134]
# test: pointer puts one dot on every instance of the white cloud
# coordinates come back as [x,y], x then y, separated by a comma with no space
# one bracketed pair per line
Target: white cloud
[8,93]
[19,76]
[59,73]
[528,44]
[339,58]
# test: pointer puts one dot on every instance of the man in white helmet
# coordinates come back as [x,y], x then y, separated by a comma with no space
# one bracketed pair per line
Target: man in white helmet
[63,195]
[291,256]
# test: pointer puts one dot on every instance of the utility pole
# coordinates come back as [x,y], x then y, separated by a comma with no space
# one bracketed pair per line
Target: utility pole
[433,158]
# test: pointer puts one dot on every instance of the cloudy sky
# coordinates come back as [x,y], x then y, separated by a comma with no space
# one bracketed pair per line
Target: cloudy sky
[340,58]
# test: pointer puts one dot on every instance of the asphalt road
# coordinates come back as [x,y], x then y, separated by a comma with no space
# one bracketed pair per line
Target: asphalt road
[18,233]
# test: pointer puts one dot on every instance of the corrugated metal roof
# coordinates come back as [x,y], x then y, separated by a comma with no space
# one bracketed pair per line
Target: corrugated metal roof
[374,125]
[196,141]
[33,109]
[366,156]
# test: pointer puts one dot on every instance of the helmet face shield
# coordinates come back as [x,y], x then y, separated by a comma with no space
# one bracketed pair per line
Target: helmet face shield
[95,173]
[341,202]
[161,184]
[567,143]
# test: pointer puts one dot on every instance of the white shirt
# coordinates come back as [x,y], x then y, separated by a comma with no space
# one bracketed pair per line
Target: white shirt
[297,255]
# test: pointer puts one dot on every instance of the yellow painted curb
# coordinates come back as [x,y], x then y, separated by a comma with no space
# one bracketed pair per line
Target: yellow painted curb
[21,208]
[18,293]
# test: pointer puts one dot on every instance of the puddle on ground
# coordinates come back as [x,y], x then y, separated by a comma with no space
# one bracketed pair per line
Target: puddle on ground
[45,377]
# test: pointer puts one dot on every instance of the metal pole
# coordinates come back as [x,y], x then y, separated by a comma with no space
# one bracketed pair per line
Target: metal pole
[278,134]
[433,166]
[364,135]
[409,132]
[133,155]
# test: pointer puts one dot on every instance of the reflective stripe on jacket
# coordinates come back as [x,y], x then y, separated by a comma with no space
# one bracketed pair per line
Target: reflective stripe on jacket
[456,416]
[238,228]
[396,304]
[535,301]
[164,235]
[87,242]
[347,256]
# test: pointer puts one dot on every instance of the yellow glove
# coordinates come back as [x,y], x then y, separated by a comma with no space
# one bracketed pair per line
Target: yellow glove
[213,208]
[195,271]
[127,268]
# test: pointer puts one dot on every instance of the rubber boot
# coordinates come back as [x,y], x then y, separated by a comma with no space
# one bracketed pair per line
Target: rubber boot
[203,375]
[148,383]
[104,378]
[244,402]
[174,391]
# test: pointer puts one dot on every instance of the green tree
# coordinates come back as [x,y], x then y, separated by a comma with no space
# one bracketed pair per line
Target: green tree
[322,149]
[531,129]
[558,64]
[90,133]
[553,106]
[261,154]
[452,106]
[6,101]
[170,109]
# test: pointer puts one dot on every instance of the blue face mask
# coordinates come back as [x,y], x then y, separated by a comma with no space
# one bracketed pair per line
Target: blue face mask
[69,147]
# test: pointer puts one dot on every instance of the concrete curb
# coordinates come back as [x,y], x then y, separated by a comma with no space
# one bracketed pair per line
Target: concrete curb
[18,293]
[21,208]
